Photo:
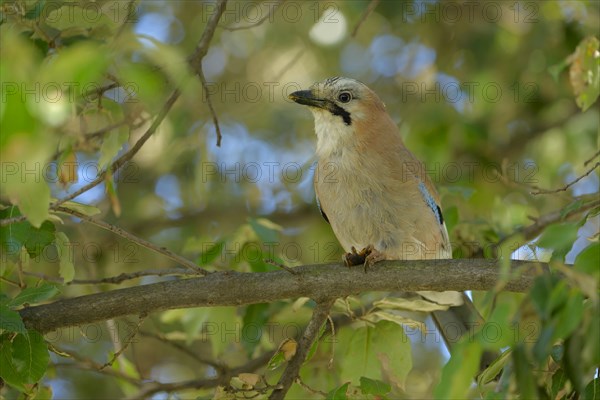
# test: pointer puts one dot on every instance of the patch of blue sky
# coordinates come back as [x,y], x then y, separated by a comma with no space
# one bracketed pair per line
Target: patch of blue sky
[453,93]
[167,188]
[273,169]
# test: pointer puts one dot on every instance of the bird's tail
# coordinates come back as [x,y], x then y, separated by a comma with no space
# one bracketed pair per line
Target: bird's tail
[456,322]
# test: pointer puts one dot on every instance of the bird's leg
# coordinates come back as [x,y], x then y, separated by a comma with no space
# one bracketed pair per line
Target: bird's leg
[373,256]
[366,257]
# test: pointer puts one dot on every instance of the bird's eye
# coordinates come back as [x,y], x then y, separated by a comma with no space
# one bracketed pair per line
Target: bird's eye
[345,97]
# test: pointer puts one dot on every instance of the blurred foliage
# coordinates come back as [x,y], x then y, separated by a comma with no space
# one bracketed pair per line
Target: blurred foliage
[499,98]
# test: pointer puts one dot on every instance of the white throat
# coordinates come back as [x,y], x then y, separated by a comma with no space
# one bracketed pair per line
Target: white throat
[333,135]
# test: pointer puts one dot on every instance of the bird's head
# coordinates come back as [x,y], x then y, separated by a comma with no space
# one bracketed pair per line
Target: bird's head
[345,110]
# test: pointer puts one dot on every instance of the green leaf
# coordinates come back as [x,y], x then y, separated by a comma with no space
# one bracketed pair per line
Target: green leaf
[34,198]
[459,372]
[556,69]
[377,351]
[80,64]
[524,374]
[67,269]
[149,84]
[574,206]
[14,236]
[339,393]
[570,315]
[543,345]
[8,371]
[315,345]
[211,254]
[542,292]
[559,379]
[36,11]
[30,356]
[584,72]
[588,260]
[267,231]
[113,142]
[492,371]
[287,349]
[559,236]
[276,361]
[11,320]
[592,390]
[572,360]
[81,208]
[33,295]
[254,320]
[374,386]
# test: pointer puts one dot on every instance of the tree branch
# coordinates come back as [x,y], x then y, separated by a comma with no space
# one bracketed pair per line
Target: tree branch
[144,243]
[195,61]
[315,281]
[320,315]
[372,5]
[530,232]
[567,186]
[150,388]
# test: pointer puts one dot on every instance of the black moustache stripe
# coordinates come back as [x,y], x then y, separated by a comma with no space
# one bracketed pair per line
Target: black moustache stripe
[339,111]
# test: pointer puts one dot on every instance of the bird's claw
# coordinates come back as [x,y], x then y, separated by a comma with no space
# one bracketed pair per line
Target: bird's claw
[367,257]
[354,258]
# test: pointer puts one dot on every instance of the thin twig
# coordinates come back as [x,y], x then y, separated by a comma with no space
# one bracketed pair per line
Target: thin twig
[372,5]
[121,161]
[3,279]
[591,158]
[195,62]
[101,90]
[567,186]
[282,266]
[208,99]
[154,387]
[300,382]
[106,129]
[530,232]
[128,18]
[255,24]
[319,317]
[127,341]
[220,367]
[144,243]
[91,365]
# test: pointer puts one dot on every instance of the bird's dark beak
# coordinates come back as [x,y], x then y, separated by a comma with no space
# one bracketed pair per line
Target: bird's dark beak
[308,98]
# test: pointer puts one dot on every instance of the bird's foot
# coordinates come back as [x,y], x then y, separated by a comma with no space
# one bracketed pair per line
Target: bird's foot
[354,258]
[373,256]
[367,257]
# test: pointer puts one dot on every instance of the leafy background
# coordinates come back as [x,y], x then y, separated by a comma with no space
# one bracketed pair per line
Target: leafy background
[498,98]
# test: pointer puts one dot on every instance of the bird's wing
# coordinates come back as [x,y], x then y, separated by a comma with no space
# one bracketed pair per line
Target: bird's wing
[429,194]
[317,194]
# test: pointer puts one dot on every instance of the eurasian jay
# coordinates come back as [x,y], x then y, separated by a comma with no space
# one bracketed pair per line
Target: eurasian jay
[373,191]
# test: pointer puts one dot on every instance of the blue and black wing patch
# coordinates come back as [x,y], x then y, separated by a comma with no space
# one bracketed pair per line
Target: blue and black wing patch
[437,211]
